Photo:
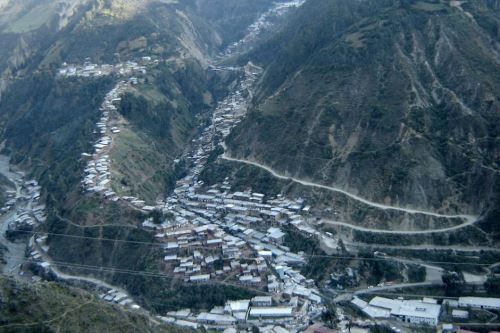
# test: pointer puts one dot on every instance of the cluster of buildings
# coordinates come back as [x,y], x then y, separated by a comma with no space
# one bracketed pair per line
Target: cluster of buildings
[37,258]
[88,69]
[119,297]
[263,23]
[33,213]
[425,311]
[11,201]
[279,316]
[37,248]
[422,312]
[97,173]
[207,239]
[346,278]
[214,234]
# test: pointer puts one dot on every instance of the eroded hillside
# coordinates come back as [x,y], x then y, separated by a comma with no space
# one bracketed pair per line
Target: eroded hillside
[384,99]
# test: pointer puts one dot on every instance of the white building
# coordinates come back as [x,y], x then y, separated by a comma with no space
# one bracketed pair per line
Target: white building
[265,301]
[460,314]
[275,235]
[410,311]
[233,307]
[199,278]
[479,302]
[215,319]
[271,312]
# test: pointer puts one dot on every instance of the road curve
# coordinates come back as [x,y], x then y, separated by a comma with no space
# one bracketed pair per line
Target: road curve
[399,232]
[396,286]
[457,248]
[469,218]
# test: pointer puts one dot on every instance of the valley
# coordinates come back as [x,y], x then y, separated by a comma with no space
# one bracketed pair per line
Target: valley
[193,198]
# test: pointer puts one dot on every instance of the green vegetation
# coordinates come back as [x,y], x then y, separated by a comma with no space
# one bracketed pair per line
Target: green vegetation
[449,258]
[231,18]
[242,177]
[48,124]
[376,271]
[138,167]
[102,250]
[50,307]
[464,236]
[297,242]
[5,185]
[34,19]
[492,285]
[345,100]
[454,283]
[416,273]
[429,6]
[318,265]
[160,120]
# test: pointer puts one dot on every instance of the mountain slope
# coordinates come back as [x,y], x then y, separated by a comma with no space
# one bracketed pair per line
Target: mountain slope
[384,99]
[49,307]
[48,121]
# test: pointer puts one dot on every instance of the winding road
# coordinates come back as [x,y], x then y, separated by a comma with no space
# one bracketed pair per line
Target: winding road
[469,218]
[400,232]
[396,286]
[458,248]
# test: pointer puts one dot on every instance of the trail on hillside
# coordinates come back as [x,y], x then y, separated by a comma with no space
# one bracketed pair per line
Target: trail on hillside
[468,218]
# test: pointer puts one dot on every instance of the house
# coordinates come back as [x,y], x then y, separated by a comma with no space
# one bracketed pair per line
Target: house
[214,242]
[370,310]
[271,312]
[199,278]
[171,258]
[233,307]
[479,302]
[249,279]
[460,314]
[275,235]
[318,328]
[273,286]
[264,301]
[215,319]
[409,311]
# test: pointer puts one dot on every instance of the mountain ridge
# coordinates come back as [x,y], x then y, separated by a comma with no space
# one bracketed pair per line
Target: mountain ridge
[353,111]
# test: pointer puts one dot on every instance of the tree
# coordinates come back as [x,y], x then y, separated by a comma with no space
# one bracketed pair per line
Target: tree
[341,246]
[157,216]
[492,285]
[454,282]
[329,316]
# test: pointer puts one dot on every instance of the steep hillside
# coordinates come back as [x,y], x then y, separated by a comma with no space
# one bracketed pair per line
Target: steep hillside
[159,118]
[48,121]
[229,17]
[383,99]
[28,27]
[49,32]
[49,307]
